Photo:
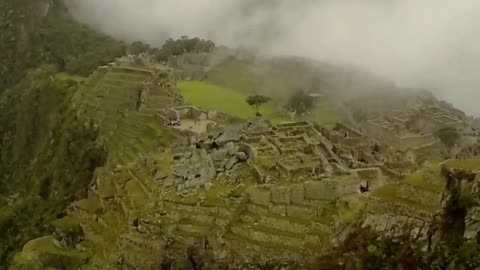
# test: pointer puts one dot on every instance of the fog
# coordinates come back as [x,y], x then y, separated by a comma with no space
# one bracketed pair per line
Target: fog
[418,43]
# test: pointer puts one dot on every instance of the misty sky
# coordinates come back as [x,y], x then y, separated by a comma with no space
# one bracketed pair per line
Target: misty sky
[418,43]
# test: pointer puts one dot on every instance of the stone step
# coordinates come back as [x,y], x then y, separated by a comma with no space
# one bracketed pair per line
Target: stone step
[135,121]
[193,230]
[277,223]
[268,235]
[143,136]
[160,99]
[190,209]
[117,104]
[104,89]
[142,116]
[265,239]
[151,110]
[132,70]
[120,97]
[201,220]
[126,156]
[121,83]
[127,76]
[293,212]
[135,148]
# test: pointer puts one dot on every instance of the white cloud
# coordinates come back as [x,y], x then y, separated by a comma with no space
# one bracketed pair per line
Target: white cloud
[421,43]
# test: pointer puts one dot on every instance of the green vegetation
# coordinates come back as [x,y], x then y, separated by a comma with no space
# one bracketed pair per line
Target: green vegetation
[75,48]
[449,136]
[300,102]
[240,75]
[280,81]
[209,96]
[465,164]
[184,45]
[369,250]
[427,179]
[65,77]
[256,101]
[421,190]
[366,249]
[173,47]
[55,39]
[47,156]
[433,153]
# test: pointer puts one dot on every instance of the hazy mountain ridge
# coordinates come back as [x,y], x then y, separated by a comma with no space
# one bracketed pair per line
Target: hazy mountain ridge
[67,138]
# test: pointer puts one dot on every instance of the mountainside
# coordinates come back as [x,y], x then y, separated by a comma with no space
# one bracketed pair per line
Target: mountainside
[47,155]
[131,157]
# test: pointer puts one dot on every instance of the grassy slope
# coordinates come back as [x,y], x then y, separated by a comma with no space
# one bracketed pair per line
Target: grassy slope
[425,181]
[46,156]
[241,76]
[209,96]
[466,164]
[274,80]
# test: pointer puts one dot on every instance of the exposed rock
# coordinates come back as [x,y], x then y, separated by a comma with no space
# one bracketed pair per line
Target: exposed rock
[229,135]
[241,156]
[231,163]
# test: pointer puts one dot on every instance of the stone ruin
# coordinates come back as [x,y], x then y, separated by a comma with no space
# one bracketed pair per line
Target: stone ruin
[415,129]
[277,153]
[192,119]
[254,185]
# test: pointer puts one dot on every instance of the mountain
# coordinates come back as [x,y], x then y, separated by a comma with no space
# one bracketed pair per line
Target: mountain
[47,156]
[116,156]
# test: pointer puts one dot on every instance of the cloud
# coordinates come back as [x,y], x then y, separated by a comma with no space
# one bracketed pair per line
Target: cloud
[418,43]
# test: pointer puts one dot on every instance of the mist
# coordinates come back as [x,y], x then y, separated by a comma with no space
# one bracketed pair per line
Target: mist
[430,44]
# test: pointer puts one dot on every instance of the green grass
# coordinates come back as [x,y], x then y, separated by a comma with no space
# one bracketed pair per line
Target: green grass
[46,245]
[465,164]
[392,193]
[209,96]
[324,113]
[63,76]
[240,75]
[216,192]
[432,153]
[427,179]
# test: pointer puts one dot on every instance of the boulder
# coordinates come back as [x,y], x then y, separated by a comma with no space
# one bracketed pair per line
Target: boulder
[231,163]
[221,154]
[241,156]
[230,148]
[228,136]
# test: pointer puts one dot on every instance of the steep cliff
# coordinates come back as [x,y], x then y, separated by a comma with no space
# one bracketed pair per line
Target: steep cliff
[47,157]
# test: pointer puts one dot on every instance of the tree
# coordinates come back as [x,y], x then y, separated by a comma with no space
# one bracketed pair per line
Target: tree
[300,102]
[448,135]
[257,100]
[138,47]
[184,45]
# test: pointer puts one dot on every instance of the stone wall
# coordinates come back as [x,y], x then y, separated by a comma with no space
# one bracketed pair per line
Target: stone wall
[322,191]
